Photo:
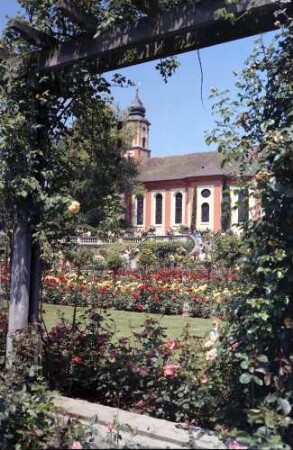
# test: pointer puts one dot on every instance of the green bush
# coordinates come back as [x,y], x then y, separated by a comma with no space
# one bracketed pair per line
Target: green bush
[98,262]
[28,418]
[148,373]
[228,249]
[114,262]
[162,250]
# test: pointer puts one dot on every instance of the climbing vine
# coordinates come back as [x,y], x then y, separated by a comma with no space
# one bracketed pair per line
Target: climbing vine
[256,129]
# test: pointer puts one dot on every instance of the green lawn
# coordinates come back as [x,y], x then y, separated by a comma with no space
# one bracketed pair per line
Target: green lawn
[125,321]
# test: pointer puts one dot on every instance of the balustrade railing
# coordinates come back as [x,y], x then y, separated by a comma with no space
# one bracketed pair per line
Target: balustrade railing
[94,241]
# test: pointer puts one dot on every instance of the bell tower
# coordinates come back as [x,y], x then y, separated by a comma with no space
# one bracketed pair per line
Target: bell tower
[136,117]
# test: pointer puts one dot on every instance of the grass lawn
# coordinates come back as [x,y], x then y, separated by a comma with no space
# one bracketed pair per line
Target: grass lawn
[125,321]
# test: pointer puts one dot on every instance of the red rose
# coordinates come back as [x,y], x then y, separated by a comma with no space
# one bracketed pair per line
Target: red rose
[76,359]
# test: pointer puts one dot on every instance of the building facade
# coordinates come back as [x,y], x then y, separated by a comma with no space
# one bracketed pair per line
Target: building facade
[182,191]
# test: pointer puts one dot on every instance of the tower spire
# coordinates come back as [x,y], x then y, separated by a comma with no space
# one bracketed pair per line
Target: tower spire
[136,116]
[137,86]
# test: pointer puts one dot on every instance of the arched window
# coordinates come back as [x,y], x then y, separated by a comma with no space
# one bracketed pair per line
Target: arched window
[159,209]
[205,212]
[139,210]
[178,208]
[243,206]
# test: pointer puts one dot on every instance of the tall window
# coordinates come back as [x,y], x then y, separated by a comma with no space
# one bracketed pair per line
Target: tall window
[205,212]
[159,209]
[139,210]
[243,206]
[143,142]
[178,208]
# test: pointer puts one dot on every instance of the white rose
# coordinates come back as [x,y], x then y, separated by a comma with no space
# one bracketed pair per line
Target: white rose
[74,207]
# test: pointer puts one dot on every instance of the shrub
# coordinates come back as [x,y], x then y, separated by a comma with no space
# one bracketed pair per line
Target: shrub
[162,250]
[114,262]
[147,260]
[28,418]
[98,262]
[228,249]
[147,373]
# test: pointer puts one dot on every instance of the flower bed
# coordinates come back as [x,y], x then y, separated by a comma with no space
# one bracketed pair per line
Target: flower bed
[163,292]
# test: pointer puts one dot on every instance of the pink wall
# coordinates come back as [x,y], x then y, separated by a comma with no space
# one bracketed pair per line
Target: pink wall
[217,205]
[167,208]
[188,184]
[148,216]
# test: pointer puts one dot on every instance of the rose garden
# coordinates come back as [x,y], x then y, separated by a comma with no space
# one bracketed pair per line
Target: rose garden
[160,333]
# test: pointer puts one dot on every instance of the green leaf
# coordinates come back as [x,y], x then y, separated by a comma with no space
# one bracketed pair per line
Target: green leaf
[258,381]
[244,365]
[285,405]
[245,378]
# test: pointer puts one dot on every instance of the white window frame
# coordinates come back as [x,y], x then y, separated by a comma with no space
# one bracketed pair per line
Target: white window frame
[153,215]
[173,206]
[134,211]
[200,201]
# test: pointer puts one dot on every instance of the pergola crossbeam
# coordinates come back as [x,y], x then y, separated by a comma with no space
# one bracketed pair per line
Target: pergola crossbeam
[31,35]
[86,21]
[192,26]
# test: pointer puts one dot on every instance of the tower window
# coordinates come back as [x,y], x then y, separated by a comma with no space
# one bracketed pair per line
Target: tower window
[139,210]
[205,212]
[205,193]
[178,208]
[143,142]
[159,209]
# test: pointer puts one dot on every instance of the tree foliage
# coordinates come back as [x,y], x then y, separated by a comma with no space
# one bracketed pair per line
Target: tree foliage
[103,170]
[257,127]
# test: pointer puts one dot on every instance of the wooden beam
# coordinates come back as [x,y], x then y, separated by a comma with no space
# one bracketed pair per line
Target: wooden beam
[189,27]
[86,21]
[30,34]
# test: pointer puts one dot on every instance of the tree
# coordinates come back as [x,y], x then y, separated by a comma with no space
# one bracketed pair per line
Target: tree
[98,143]
[258,128]
[36,165]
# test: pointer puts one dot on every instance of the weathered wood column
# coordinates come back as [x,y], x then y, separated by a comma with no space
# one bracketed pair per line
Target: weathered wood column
[20,281]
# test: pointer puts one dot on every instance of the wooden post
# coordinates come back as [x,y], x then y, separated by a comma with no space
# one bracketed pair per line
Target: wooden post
[20,282]
[35,285]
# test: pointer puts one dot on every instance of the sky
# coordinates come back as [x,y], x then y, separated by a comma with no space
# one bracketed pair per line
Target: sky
[179,119]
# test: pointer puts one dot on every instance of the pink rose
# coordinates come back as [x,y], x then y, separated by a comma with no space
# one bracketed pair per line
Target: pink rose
[236,445]
[171,344]
[170,370]
[76,445]
[110,427]
[211,355]
[204,379]
[143,372]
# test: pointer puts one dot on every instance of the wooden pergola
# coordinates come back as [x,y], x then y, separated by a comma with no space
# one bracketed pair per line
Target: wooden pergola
[158,34]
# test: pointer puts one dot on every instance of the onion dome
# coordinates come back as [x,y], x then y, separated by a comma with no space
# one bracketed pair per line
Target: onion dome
[136,110]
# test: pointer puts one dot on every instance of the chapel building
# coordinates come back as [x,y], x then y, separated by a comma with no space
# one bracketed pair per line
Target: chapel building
[181,190]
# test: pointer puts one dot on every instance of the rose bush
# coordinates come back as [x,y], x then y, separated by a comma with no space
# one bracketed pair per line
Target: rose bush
[164,292]
[147,373]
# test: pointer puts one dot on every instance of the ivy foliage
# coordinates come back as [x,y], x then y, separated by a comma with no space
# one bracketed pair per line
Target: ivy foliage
[256,129]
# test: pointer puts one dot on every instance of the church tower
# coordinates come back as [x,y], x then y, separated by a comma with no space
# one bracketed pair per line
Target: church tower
[136,118]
